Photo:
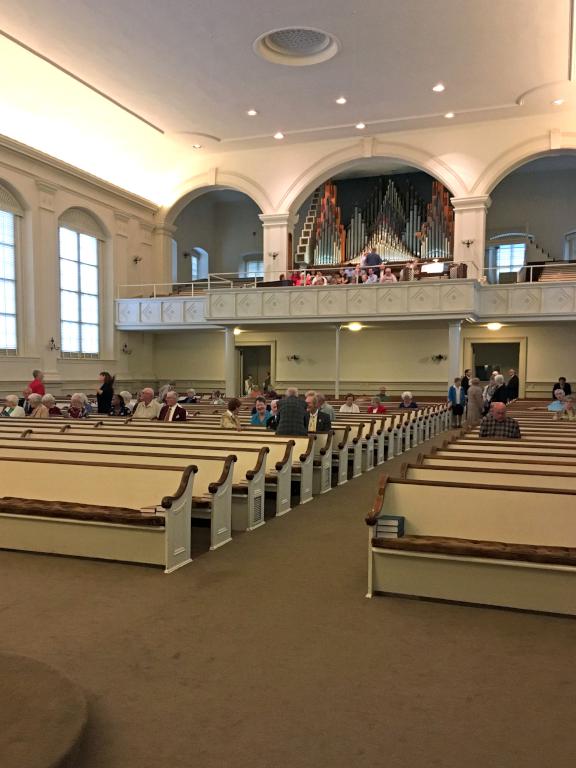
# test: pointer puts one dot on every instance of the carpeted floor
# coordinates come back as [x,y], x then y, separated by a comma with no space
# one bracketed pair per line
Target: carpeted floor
[266,654]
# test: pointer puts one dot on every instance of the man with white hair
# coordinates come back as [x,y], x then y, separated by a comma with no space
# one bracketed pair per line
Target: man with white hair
[172,411]
[12,409]
[291,414]
[147,408]
[190,397]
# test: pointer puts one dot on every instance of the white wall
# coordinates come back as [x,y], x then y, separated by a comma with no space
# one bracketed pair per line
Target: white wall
[542,202]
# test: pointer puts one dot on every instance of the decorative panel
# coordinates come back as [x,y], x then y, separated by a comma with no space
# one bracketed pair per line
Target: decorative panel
[557,300]
[127,311]
[194,310]
[362,301]
[249,303]
[493,301]
[424,299]
[276,304]
[331,302]
[150,311]
[303,303]
[222,305]
[524,301]
[457,298]
[392,300]
[172,311]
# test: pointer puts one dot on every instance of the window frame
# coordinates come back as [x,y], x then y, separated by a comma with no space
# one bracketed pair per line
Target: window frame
[80,354]
[13,351]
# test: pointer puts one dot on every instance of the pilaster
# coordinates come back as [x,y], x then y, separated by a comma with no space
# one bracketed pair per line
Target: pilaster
[470,232]
[47,289]
[276,228]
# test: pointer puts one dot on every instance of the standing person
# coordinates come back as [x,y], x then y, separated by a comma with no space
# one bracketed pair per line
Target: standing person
[563,385]
[513,385]
[349,406]
[248,385]
[36,386]
[105,393]
[475,403]
[267,383]
[291,414]
[500,394]
[457,400]
[466,380]
[373,259]
[230,418]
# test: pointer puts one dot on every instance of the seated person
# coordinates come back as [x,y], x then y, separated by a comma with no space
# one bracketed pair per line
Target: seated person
[189,398]
[349,406]
[23,401]
[261,415]
[325,407]
[383,396]
[408,401]
[557,404]
[50,402]
[12,409]
[217,398]
[37,410]
[230,418]
[129,402]
[498,425]
[316,421]
[387,276]
[148,407]
[319,279]
[77,408]
[568,411]
[563,385]
[273,420]
[119,406]
[172,411]
[371,277]
[376,406]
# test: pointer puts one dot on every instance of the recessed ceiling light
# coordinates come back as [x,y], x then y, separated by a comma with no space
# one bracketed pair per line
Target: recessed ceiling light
[279,135]
[360,126]
[237,331]
[439,87]
[494,326]
[341,100]
[449,115]
[196,146]
[252,112]
[354,326]
[558,102]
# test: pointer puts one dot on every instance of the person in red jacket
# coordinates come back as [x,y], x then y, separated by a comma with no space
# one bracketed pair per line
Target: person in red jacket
[376,406]
[36,386]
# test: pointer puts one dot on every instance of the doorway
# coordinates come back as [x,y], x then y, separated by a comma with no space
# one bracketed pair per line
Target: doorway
[254,360]
[483,357]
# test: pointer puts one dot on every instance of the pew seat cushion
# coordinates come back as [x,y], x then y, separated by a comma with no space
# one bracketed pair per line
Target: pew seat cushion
[71,511]
[496,550]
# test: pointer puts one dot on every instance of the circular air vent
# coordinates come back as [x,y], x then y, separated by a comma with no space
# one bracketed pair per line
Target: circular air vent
[297,46]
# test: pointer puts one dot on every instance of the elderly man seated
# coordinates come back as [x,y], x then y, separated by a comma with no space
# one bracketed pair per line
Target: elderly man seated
[498,425]
[37,410]
[12,409]
[316,421]
[148,407]
[172,411]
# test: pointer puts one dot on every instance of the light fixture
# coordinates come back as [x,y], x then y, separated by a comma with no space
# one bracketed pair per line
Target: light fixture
[279,136]
[558,102]
[354,326]
[449,115]
[126,349]
[360,126]
[196,146]
[494,326]
[439,87]
[341,100]
[52,346]
[251,112]
[237,331]
[136,259]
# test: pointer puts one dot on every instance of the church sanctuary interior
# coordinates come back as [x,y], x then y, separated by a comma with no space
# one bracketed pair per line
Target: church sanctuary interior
[287,350]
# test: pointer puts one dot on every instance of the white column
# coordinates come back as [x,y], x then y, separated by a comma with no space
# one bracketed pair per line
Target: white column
[337,364]
[162,249]
[470,232]
[229,362]
[275,229]
[454,350]
[48,288]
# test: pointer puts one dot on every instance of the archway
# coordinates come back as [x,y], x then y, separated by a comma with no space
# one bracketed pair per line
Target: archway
[532,219]
[379,203]
[216,228]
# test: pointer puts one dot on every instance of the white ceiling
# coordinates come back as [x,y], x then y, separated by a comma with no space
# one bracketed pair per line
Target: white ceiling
[188,65]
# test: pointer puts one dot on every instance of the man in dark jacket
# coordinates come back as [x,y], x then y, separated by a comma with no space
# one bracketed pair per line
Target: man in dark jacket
[291,414]
[563,385]
[513,385]
[316,421]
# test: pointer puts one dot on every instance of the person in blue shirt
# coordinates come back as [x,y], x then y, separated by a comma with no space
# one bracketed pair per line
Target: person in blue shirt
[261,417]
[457,400]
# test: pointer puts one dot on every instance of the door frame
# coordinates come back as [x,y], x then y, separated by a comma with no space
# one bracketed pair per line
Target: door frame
[522,354]
[271,345]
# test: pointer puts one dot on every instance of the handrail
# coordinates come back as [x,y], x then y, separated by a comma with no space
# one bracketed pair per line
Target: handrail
[525,272]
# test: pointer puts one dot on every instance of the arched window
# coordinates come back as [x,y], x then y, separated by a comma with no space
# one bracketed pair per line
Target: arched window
[252,265]
[80,238]
[10,213]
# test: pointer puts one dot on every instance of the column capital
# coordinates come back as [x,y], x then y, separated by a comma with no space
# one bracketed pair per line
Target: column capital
[277,219]
[46,194]
[168,230]
[122,221]
[472,203]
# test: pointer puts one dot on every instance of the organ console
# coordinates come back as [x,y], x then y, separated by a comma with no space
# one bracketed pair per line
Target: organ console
[394,222]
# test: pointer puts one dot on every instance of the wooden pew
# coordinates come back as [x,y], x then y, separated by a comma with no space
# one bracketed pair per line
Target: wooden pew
[116,530]
[499,475]
[459,544]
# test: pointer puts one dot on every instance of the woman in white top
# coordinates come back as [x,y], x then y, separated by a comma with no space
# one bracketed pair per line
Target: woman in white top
[349,406]
[319,279]
[12,409]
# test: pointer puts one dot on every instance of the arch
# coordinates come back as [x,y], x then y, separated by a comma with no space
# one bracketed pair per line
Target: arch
[212,182]
[339,161]
[520,155]
[85,221]
[10,199]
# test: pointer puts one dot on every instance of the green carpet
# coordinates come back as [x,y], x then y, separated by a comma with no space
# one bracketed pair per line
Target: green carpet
[266,654]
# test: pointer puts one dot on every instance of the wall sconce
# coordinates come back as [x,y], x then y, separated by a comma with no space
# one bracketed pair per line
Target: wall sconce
[467,243]
[186,255]
[439,358]
[293,358]
[137,259]
[52,346]
[273,255]
[126,349]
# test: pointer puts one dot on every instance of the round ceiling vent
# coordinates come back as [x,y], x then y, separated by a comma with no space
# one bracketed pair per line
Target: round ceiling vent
[297,46]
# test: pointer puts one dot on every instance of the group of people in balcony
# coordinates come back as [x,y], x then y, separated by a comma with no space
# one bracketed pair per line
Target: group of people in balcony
[351,275]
